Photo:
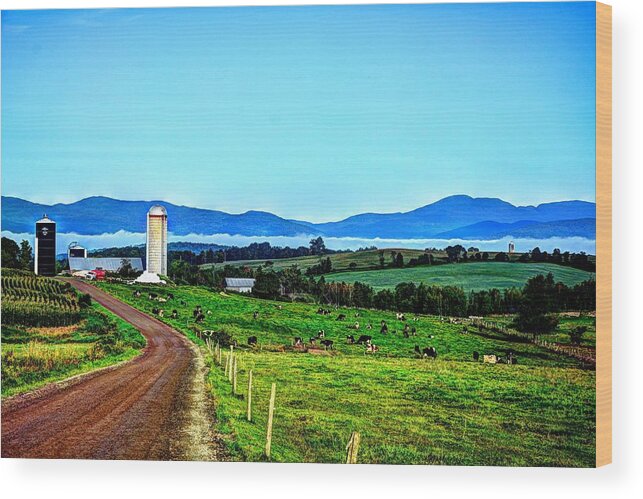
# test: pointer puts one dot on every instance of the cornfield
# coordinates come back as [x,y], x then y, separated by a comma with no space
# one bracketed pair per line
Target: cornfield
[38,302]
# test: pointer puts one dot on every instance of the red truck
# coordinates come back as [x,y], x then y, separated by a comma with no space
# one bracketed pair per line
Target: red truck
[98,274]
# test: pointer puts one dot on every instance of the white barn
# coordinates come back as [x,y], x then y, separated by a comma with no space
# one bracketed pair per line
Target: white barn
[239,285]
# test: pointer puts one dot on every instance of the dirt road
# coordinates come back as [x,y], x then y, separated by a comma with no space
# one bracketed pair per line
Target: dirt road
[154,407]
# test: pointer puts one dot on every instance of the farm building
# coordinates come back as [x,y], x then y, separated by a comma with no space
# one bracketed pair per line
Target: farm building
[239,285]
[108,264]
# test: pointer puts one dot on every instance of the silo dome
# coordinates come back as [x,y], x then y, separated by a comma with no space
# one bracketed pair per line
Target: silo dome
[157,210]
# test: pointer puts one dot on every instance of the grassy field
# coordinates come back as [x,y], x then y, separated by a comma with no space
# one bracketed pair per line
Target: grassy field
[33,356]
[340,261]
[540,412]
[469,276]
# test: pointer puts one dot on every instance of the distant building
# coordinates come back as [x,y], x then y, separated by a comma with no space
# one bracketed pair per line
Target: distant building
[45,247]
[156,252]
[512,247]
[108,264]
[74,250]
[239,285]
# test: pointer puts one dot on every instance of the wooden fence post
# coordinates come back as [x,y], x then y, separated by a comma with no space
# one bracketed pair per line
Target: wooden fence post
[271,410]
[230,360]
[352,448]
[234,375]
[226,366]
[249,409]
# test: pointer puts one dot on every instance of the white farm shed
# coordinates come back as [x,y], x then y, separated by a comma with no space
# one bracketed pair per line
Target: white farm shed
[239,285]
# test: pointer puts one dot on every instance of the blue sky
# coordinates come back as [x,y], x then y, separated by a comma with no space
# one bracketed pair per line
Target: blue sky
[315,113]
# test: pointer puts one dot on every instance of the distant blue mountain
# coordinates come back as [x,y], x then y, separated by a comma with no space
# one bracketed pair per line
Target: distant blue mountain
[455,216]
[101,215]
[584,227]
[452,213]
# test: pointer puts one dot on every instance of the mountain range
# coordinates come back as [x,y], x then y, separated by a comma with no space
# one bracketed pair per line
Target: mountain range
[459,216]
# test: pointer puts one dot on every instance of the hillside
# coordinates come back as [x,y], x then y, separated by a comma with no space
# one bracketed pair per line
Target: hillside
[469,276]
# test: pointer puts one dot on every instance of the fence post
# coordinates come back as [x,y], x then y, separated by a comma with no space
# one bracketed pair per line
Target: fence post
[271,410]
[234,375]
[249,409]
[352,448]
[226,366]
[230,360]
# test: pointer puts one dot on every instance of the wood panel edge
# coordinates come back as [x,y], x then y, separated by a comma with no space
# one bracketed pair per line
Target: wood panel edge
[603,234]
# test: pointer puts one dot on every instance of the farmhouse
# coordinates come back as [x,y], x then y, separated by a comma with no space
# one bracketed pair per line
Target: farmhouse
[239,285]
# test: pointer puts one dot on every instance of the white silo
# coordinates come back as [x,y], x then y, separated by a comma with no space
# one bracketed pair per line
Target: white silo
[157,240]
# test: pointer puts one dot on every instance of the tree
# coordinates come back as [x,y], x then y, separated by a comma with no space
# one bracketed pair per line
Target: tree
[381,259]
[25,256]
[501,257]
[10,250]
[317,246]
[537,302]
[576,334]
[126,270]
[267,284]
[399,260]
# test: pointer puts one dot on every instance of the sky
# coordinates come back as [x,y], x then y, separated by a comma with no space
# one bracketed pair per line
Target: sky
[313,113]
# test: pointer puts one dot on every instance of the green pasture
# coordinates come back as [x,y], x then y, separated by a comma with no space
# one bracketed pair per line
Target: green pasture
[469,276]
[409,410]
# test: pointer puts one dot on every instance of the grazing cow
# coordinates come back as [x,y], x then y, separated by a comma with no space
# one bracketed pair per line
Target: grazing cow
[209,312]
[252,341]
[369,326]
[298,342]
[406,334]
[161,299]
[364,340]
[255,315]
[312,341]
[476,356]
[384,328]
[413,331]
[370,348]
[170,296]
[357,314]
[341,317]
[321,333]
[406,329]
[137,294]
[152,296]
[161,313]
[328,344]
[350,339]
[183,302]
[279,307]
[200,317]
[400,316]
[490,359]
[175,314]
[354,326]
[155,311]
[417,350]
[429,352]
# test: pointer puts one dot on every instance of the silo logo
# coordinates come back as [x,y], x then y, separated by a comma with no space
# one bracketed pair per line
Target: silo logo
[44,231]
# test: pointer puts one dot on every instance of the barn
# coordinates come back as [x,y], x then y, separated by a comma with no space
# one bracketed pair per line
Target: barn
[108,264]
[239,285]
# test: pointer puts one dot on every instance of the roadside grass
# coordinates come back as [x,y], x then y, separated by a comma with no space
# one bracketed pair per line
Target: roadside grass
[469,276]
[454,411]
[33,357]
